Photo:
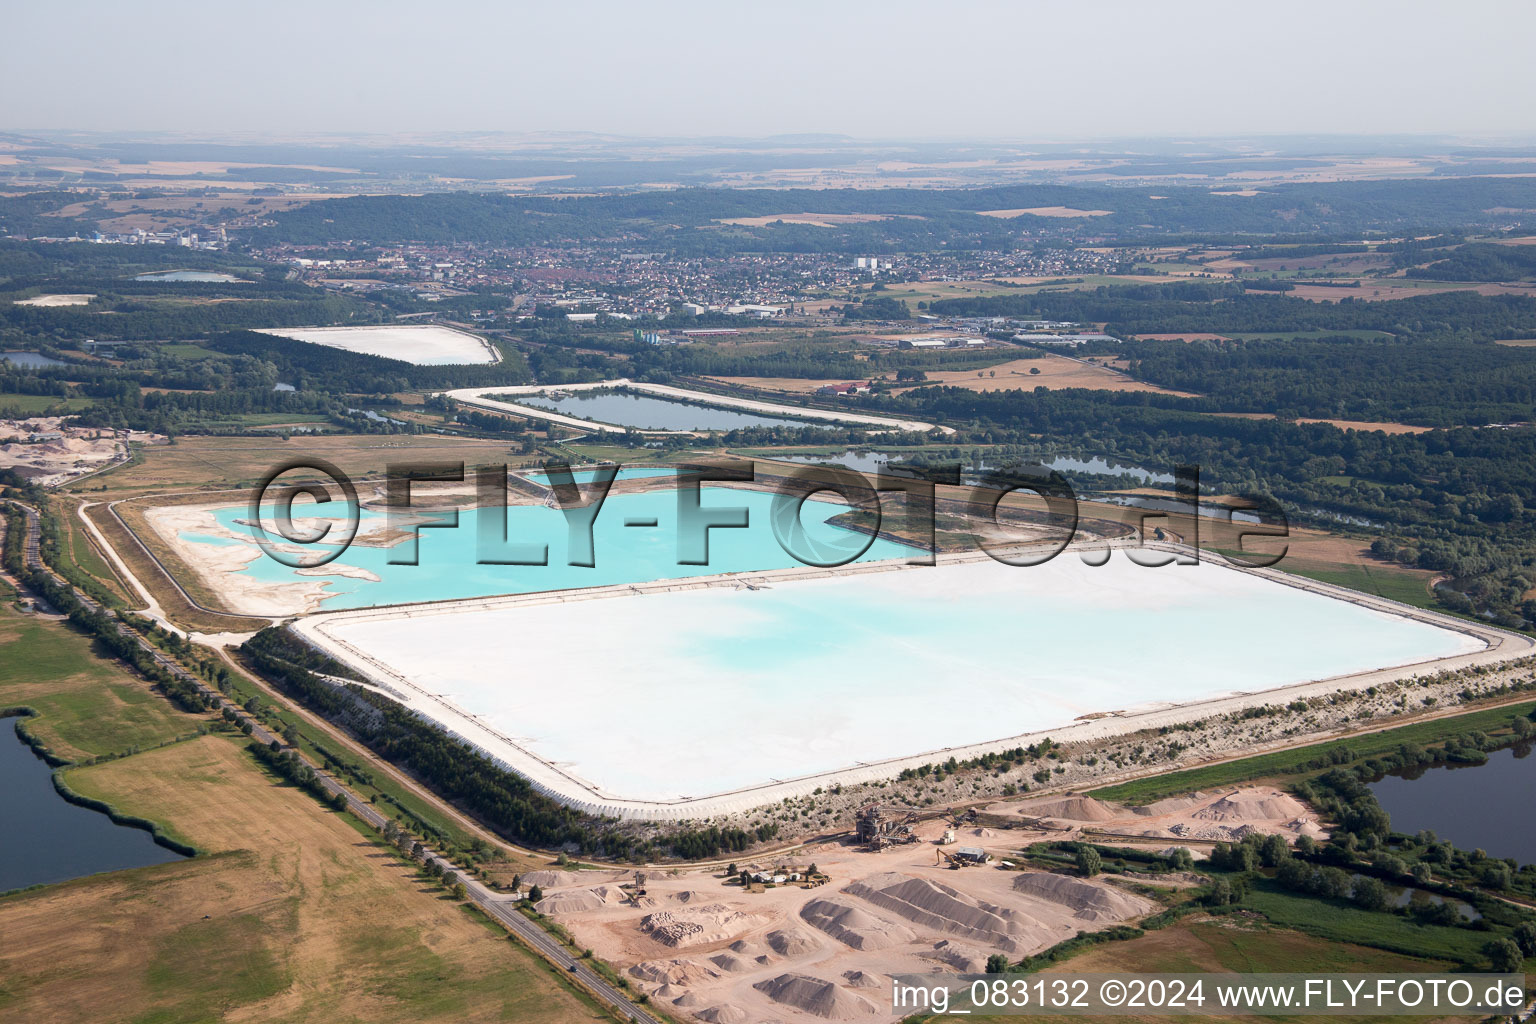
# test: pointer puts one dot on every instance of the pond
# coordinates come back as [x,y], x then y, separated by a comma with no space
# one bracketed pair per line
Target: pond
[31,360]
[49,839]
[863,461]
[1476,807]
[646,412]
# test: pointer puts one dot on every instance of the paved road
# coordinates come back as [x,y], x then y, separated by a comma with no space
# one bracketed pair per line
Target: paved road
[496,905]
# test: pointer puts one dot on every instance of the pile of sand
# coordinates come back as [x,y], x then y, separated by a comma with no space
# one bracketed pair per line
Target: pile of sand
[730,963]
[576,901]
[550,879]
[723,1015]
[1251,805]
[666,973]
[965,959]
[1169,805]
[815,996]
[791,942]
[862,979]
[713,922]
[1086,901]
[949,911]
[853,927]
[1069,807]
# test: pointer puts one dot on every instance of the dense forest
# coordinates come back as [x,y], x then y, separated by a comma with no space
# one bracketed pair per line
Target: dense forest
[689,220]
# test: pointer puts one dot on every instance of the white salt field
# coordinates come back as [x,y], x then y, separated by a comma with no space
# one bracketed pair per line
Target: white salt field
[422,344]
[643,705]
[76,299]
[193,276]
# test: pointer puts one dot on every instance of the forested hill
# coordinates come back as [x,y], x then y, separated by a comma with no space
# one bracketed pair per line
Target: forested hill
[690,220]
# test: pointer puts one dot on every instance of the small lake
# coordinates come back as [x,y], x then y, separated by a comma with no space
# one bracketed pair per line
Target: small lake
[32,360]
[204,276]
[864,462]
[1476,807]
[49,839]
[646,412]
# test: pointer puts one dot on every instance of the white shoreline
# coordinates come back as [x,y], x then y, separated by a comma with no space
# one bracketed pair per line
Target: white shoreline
[473,396]
[564,786]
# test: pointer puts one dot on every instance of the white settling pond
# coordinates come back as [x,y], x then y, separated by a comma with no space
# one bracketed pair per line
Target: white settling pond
[422,344]
[688,694]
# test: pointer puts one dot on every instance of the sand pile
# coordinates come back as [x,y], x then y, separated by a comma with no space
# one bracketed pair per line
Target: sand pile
[687,999]
[949,911]
[1251,805]
[575,901]
[730,963]
[550,879]
[746,948]
[815,996]
[1070,807]
[1170,805]
[712,922]
[965,959]
[1087,901]
[723,1015]
[791,942]
[680,973]
[862,979]
[853,927]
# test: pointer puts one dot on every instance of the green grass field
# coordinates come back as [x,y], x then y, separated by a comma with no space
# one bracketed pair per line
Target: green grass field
[185,350]
[86,706]
[1337,922]
[31,405]
[1494,721]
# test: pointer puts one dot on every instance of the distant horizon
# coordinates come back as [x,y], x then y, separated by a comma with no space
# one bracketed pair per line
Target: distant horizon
[688,68]
[1524,137]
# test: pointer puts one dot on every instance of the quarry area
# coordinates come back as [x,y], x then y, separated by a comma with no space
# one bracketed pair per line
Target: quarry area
[821,935]
[46,453]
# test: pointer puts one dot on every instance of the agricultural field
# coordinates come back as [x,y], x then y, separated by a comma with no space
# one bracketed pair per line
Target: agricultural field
[86,706]
[294,913]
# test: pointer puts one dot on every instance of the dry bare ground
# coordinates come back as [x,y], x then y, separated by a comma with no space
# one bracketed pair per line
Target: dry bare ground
[712,950]
[1045,211]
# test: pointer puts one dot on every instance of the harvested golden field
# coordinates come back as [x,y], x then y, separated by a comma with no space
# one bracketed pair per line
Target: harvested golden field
[294,915]
[203,462]
[1187,336]
[1384,427]
[1045,211]
[1056,372]
[1518,342]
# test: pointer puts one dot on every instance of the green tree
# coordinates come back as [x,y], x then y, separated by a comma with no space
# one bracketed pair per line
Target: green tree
[997,963]
[1504,956]
[535,894]
[1370,894]
[1524,936]
[1089,863]
[459,891]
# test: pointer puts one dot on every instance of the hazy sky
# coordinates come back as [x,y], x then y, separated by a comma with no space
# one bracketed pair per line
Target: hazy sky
[892,68]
